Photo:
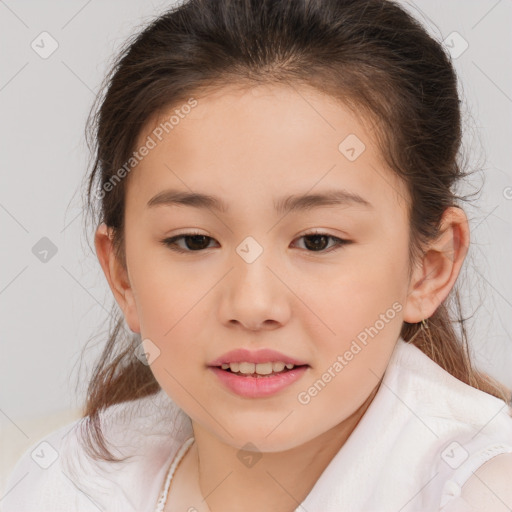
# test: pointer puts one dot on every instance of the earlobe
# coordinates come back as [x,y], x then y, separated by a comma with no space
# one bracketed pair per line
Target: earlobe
[434,277]
[116,275]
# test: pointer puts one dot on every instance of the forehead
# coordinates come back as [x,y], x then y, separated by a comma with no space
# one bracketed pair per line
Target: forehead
[259,141]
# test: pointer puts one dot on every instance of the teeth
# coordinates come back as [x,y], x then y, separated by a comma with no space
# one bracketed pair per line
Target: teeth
[246,367]
[278,367]
[260,368]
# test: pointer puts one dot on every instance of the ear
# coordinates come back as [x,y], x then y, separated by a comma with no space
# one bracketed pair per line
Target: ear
[435,275]
[117,276]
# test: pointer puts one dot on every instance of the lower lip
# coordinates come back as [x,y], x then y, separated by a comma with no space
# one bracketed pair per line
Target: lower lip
[257,387]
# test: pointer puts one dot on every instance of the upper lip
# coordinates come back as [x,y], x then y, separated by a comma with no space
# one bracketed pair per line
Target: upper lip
[254,356]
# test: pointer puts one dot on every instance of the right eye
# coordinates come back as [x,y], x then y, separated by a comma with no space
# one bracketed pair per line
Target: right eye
[193,242]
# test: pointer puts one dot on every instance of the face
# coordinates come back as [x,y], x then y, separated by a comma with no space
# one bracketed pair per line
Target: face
[323,283]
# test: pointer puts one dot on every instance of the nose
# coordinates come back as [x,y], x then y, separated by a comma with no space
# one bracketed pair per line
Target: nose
[254,296]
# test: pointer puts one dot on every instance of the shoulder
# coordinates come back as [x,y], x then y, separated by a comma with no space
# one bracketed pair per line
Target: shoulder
[37,481]
[59,474]
[489,488]
[445,400]
[482,483]
[470,458]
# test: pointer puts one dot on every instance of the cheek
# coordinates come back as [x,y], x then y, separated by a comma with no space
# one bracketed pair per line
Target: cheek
[165,294]
[361,319]
[349,297]
[173,308]
[173,318]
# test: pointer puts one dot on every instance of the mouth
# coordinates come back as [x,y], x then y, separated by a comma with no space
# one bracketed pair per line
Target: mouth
[258,380]
[259,370]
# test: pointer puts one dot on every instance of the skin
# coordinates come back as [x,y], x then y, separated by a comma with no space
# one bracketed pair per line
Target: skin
[251,146]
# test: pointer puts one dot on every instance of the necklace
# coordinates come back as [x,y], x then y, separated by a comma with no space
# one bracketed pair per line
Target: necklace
[177,459]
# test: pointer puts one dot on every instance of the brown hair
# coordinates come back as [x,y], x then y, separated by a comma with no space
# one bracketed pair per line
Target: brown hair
[370,54]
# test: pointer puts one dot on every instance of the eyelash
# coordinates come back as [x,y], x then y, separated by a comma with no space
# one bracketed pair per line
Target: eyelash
[171,242]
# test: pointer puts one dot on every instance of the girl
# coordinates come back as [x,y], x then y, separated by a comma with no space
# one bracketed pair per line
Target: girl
[277,223]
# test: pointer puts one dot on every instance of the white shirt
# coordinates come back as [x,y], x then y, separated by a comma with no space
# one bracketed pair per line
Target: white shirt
[418,442]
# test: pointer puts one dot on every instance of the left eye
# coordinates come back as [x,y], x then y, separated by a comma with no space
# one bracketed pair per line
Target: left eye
[314,242]
[318,242]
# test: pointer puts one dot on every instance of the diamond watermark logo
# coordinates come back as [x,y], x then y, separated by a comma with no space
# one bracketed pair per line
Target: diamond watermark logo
[351,147]
[44,250]
[44,455]
[249,455]
[147,352]
[249,250]
[455,44]
[44,45]
[454,454]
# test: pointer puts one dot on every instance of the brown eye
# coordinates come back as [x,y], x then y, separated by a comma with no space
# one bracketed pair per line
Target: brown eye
[193,242]
[318,242]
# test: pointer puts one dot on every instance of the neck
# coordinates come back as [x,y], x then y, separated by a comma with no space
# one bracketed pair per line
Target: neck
[279,481]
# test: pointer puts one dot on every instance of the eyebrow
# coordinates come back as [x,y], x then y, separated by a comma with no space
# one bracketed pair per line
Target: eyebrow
[282,205]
